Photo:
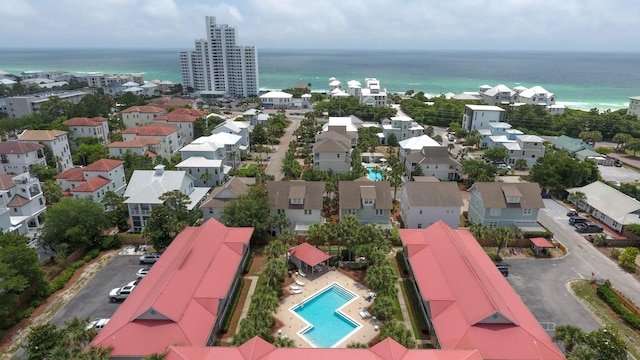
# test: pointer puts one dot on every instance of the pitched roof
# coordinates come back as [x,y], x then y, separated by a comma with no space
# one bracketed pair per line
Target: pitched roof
[336,135]
[311,255]
[181,115]
[172,102]
[281,193]
[6,181]
[73,174]
[91,185]
[258,349]
[135,143]
[144,109]
[444,193]
[40,135]
[83,121]
[331,145]
[472,305]
[178,301]
[351,194]
[151,130]
[103,165]
[18,201]
[16,147]
[611,202]
[220,196]
[146,186]
[494,195]
[570,144]
[418,142]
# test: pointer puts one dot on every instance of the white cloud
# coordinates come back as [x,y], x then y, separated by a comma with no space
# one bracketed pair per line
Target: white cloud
[370,24]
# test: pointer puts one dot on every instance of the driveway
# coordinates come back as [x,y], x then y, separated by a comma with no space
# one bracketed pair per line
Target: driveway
[275,165]
[92,301]
[543,284]
[621,174]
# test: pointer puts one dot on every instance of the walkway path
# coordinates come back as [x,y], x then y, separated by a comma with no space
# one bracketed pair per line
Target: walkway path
[247,302]
[403,307]
[275,165]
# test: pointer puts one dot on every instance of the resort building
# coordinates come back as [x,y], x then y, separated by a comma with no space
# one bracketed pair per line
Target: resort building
[433,161]
[332,152]
[138,146]
[183,119]
[300,201]
[608,205]
[146,186]
[169,140]
[496,204]
[478,117]
[369,201]
[634,106]
[141,115]
[518,145]
[21,203]
[94,180]
[100,80]
[423,203]
[218,66]
[235,127]
[18,157]
[467,301]
[19,106]
[536,95]
[371,94]
[206,172]
[56,141]
[184,298]
[277,100]
[498,95]
[402,127]
[95,128]
[347,126]
[219,198]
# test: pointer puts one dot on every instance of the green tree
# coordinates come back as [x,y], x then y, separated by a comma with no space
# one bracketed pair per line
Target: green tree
[348,232]
[480,231]
[628,259]
[117,210]
[355,345]
[496,153]
[477,170]
[43,172]
[280,221]
[259,135]
[130,99]
[633,145]
[398,332]
[382,279]
[52,192]
[392,140]
[521,164]
[577,197]
[558,171]
[77,223]
[291,168]
[357,168]
[86,154]
[502,235]
[42,340]
[570,335]
[55,108]
[384,307]
[275,249]
[168,219]
[591,137]
[620,139]
[249,210]
[206,176]
[275,271]
[417,171]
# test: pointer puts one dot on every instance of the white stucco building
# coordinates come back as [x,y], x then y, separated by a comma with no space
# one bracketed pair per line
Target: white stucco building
[56,140]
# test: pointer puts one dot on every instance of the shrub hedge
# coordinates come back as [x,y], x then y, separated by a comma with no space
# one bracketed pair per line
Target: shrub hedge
[606,294]
[414,301]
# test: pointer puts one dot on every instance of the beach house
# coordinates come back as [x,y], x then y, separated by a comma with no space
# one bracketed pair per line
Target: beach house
[423,203]
[220,197]
[141,115]
[478,117]
[95,128]
[369,201]
[505,204]
[18,157]
[56,140]
[300,201]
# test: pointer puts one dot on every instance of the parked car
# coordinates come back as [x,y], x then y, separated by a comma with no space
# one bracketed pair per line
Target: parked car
[122,293]
[504,269]
[150,258]
[502,166]
[142,272]
[97,325]
[135,282]
[574,220]
[588,228]
[572,213]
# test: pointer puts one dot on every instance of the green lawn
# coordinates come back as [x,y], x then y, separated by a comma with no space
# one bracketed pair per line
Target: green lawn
[587,295]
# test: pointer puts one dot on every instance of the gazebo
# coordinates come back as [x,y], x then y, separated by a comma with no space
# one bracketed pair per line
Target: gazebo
[539,244]
[308,258]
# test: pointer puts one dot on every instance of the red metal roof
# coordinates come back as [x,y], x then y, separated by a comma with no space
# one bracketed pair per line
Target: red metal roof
[177,303]
[310,255]
[541,242]
[472,305]
[73,174]
[181,115]
[258,349]
[103,165]
[83,121]
[91,185]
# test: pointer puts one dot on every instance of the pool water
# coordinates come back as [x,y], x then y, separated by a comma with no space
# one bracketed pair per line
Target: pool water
[372,175]
[328,327]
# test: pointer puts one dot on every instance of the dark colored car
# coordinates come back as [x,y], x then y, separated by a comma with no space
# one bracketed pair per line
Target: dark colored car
[588,228]
[577,220]
[504,269]
[572,213]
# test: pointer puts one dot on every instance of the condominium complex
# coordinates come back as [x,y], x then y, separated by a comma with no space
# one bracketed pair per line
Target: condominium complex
[218,66]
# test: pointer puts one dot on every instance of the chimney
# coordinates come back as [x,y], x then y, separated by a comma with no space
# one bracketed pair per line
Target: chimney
[159,170]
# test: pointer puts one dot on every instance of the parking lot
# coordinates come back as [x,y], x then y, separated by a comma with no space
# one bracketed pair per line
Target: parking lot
[621,174]
[93,301]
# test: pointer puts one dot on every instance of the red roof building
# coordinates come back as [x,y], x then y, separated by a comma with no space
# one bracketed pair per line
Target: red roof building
[305,256]
[469,303]
[94,180]
[169,136]
[184,296]
[258,349]
[183,119]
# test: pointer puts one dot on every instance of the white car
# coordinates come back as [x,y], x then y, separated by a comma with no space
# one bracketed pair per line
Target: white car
[122,293]
[97,324]
[503,166]
[142,272]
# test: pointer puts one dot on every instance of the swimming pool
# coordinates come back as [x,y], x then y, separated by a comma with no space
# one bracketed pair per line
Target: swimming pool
[327,325]
[372,175]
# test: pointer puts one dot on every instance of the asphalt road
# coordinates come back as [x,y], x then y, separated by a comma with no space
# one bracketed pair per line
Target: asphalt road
[543,284]
[275,165]
[92,301]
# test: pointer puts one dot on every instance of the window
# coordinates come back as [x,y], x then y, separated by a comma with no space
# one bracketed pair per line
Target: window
[527,211]
[419,226]
[379,212]
[493,223]
[367,201]
[308,212]
[338,155]
[420,212]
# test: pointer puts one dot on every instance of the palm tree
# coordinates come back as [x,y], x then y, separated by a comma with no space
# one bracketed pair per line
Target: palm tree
[570,335]
[502,235]
[206,176]
[383,307]
[274,250]
[521,164]
[397,332]
[479,231]
[578,197]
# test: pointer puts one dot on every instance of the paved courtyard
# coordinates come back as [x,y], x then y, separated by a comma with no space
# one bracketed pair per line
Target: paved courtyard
[293,324]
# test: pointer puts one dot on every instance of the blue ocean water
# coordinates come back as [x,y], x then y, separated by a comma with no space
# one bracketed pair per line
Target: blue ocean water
[580,80]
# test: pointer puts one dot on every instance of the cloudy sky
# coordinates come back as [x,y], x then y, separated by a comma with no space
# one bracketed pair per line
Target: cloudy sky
[576,25]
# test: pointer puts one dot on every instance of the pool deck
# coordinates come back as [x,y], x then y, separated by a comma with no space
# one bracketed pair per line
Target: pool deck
[293,324]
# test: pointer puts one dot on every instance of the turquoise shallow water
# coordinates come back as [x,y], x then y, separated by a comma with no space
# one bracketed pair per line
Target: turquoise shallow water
[329,327]
[580,80]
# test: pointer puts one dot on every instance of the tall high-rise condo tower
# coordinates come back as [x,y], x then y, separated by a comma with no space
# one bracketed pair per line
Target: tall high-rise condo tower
[218,66]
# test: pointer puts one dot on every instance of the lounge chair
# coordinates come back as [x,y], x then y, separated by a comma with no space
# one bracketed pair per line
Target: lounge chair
[298,291]
[294,287]
[364,314]
[301,273]
[299,283]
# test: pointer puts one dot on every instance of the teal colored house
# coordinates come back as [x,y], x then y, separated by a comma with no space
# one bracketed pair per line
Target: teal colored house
[505,204]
